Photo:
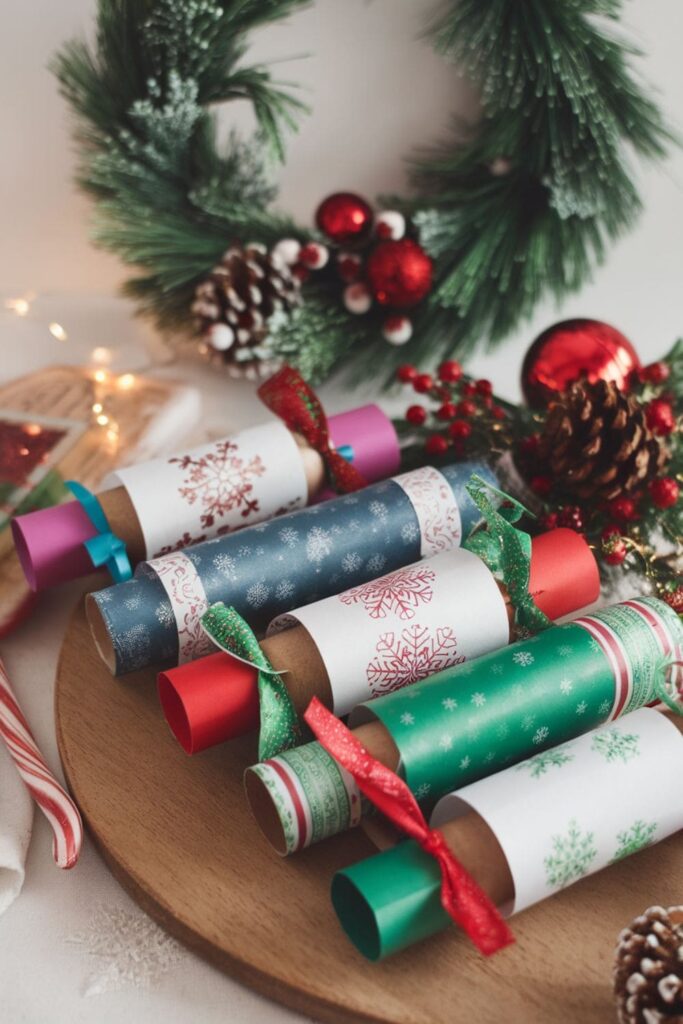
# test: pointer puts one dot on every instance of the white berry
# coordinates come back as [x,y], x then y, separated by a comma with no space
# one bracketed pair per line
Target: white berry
[390,224]
[221,337]
[287,250]
[397,330]
[357,298]
[314,255]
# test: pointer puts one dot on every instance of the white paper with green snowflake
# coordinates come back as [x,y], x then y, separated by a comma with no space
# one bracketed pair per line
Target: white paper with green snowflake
[571,810]
[395,630]
[216,488]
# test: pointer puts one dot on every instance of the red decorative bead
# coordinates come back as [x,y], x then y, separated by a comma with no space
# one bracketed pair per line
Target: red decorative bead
[436,445]
[664,492]
[301,273]
[467,407]
[674,598]
[623,508]
[542,485]
[406,373]
[614,550]
[655,373]
[344,217]
[549,522]
[423,383]
[399,273]
[484,387]
[610,531]
[348,266]
[450,372]
[529,445]
[313,255]
[416,414]
[446,412]
[498,412]
[571,517]
[469,388]
[460,430]
[659,417]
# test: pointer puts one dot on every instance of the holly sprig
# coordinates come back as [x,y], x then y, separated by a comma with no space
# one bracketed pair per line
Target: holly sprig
[458,417]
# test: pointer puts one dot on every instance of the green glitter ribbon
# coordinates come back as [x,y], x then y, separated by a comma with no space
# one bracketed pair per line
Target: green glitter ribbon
[279,725]
[506,551]
[663,685]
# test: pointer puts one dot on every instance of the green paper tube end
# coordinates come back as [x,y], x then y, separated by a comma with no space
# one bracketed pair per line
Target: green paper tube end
[390,901]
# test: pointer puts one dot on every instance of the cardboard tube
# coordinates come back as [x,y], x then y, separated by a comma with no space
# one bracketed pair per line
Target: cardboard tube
[564,576]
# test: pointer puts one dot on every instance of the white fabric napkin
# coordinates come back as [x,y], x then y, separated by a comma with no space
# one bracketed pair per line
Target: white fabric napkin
[16,822]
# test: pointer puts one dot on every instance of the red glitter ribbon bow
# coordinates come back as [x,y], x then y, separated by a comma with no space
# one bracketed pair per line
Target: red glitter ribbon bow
[289,396]
[462,899]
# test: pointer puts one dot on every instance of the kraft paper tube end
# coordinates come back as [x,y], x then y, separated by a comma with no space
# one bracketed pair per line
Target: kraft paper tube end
[100,633]
[265,812]
[209,701]
[564,573]
[49,544]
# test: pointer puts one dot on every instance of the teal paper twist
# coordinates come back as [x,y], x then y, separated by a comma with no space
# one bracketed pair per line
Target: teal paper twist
[506,551]
[106,549]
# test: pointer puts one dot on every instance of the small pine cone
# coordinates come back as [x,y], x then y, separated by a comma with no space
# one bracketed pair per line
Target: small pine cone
[597,445]
[648,968]
[234,304]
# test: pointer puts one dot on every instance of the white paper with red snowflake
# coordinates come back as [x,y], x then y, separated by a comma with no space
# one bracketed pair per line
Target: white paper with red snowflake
[215,489]
[186,593]
[404,626]
[436,508]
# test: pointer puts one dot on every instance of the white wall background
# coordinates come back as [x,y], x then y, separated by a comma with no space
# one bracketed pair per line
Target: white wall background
[375,89]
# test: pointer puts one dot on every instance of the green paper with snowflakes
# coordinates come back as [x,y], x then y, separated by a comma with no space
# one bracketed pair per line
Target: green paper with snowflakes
[475,719]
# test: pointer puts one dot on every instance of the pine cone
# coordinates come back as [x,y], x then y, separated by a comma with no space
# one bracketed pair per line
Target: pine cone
[648,968]
[234,304]
[596,443]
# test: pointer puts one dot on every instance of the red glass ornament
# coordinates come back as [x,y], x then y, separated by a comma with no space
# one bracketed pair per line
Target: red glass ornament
[450,372]
[623,508]
[446,411]
[469,388]
[498,412]
[399,273]
[484,387]
[423,383]
[416,414]
[655,373]
[406,373]
[572,350]
[610,531]
[436,445]
[571,516]
[659,417]
[674,598]
[467,407]
[460,430]
[664,492]
[614,550]
[344,217]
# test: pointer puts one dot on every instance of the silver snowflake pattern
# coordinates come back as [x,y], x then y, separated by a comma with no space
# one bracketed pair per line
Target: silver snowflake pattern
[407,718]
[164,614]
[614,745]
[413,654]
[126,949]
[503,731]
[541,735]
[132,603]
[633,839]
[523,658]
[565,650]
[422,790]
[289,536]
[528,722]
[351,562]
[284,590]
[318,545]
[446,742]
[257,594]
[581,708]
[409,533]
[379,510]
[449,704]
[489,757]
[376,563]
[134,647]
[571,857]
[605,707]
[497,669]
[465,763]
[540,764]
[220,482]
[399,593]
[478,699]
[226,565]
[566,686]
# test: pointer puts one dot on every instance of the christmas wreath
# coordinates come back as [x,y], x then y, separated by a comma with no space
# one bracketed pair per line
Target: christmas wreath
[521,206]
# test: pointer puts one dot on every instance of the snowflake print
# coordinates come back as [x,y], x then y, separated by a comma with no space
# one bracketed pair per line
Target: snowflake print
[379,510]
[284,590]
[614,745]
[407,718]
[540,764]
[449,704]
[523,658]
[134,647]
[244,551]
[571,857]
[637,837]
[566,686]
[409,656]
[318,545]
[594,645]
[503,731]
[164,614]
[289,536]
[473,728]
[478,699]
[541,735]
[605,707]
[257,594]
[422,790]
[226,565]
[446,742]
[581,708]
[465,763]
[565,650]
[132,603]
[376,563]
[352,562]
[528,722]
[399,593]
[489,757]
[410,533]
[220,481]
[497,669]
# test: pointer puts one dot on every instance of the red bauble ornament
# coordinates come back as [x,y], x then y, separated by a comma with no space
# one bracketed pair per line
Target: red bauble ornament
[614,549]
[572,350]
[406,373]
[447,411]
[344,217]
[436,445]
[623,508]
[655,373]
[450,372]
[484,387]
[674,598]
[416,414]
[399,273]
[423,383]
[460,430]
[660,417]
[664,492]
[467,407]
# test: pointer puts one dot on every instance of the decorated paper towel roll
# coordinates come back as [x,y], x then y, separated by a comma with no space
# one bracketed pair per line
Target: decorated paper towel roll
[584,805]
[472,720]
[162,506]
[404,626]
[264,570]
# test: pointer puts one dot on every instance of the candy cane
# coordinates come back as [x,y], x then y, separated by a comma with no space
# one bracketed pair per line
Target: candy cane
[54,802]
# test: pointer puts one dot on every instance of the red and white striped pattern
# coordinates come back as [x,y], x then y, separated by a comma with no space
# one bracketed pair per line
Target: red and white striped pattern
[54,802]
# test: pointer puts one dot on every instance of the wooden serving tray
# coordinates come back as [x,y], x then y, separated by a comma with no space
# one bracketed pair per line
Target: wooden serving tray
[177,834]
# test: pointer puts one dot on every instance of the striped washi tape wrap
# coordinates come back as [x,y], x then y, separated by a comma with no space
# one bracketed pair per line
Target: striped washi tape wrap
[635,636]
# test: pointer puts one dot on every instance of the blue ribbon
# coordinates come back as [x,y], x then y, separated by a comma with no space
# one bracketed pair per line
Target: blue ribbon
[106,549]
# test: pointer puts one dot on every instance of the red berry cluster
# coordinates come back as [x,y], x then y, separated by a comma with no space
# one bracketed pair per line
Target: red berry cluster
[463,409]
